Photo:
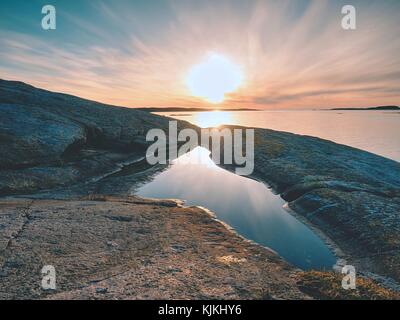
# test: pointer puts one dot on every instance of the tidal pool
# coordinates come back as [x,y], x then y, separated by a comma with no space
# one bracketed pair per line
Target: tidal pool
[248,206]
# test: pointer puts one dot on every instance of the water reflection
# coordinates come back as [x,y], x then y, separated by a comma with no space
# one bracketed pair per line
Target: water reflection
[247,205]
[211,119]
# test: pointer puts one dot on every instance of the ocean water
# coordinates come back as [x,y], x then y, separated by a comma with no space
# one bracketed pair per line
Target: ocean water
[374,131]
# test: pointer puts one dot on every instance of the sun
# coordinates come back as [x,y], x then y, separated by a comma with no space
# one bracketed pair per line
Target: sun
[213,78]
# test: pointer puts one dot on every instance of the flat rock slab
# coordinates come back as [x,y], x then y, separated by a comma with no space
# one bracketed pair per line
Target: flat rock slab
[132,248]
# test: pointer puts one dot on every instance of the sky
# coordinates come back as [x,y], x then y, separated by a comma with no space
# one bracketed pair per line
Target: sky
[293,54]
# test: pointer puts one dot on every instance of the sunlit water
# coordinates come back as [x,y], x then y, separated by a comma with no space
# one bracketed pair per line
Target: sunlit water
[374,131]
[246,205]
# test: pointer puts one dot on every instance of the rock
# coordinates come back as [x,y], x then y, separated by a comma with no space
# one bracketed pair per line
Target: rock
[88,267]
[326,286]
[101,290]
[49,139]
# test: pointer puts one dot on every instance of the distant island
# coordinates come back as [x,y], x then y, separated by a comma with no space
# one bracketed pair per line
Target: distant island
[177,109]
[183,109]
[370,108]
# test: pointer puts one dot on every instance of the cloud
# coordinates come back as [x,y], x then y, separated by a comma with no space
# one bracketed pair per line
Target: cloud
[293,54]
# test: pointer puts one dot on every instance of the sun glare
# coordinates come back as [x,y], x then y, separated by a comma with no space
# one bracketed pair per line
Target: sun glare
[213,78]
[212,119]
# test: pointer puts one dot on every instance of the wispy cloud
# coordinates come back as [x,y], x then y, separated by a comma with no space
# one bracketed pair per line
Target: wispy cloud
[293,53]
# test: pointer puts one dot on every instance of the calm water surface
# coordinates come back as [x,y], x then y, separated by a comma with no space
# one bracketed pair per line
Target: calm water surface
[374,131]
[246,205]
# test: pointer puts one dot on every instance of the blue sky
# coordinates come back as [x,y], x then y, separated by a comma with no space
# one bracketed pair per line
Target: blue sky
[293,53]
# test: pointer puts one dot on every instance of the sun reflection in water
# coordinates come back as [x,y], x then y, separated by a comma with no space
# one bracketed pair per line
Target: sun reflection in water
[199,156]
[212,119]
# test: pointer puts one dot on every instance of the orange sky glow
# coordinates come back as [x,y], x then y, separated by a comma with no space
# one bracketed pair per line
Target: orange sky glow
[290,56]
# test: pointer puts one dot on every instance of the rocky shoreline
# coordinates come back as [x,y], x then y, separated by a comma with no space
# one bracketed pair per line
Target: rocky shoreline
[352,196]
[68,166]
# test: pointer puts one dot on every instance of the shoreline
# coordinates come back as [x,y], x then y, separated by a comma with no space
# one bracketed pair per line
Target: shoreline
[351,195]
[329,242]
[298,192]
